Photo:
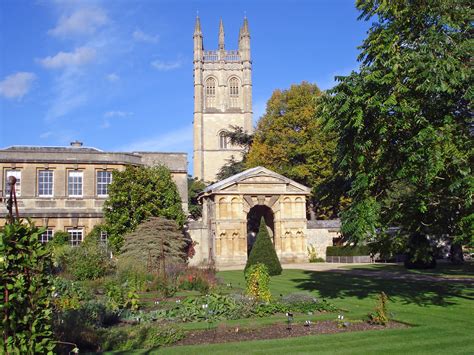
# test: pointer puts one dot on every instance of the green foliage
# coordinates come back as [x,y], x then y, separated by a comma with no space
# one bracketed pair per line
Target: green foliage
[136,194]
[403,122]
[141,337]
[237,137]
[290,140]
[230,168]
[264,252]
[419,253]
[195,187]
[68,294]
[121,296]
[214,307]
[348,250]
[89,260]
[26,288]
[380,316]
[258,282]
[60,238]
[144,246]
[305,302]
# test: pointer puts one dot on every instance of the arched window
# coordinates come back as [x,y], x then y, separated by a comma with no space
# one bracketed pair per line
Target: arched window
[223,140]
[234,87]
[210,92]
[234,92]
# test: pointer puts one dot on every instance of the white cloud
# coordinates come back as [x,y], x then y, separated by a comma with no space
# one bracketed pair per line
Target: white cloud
[45,135]
[16,85]
[80,56]
[178,140]
[112,77]
[114,114]
[140,36]
[110,114]
[165,66]
[84,21]
[70,93]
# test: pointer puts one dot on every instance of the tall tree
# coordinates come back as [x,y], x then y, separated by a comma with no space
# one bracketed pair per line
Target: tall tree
[136,194]
[290,139]
[195,186]
[404,122]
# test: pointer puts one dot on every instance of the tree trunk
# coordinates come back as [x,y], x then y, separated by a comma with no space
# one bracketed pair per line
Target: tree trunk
[455,254]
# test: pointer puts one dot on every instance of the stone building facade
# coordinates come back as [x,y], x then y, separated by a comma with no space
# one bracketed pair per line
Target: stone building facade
[64,188]
[222,98]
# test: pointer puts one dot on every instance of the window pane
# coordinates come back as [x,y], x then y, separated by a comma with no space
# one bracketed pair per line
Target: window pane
[46,236]
[45,183]
[103,237]
[74,186]
[75,236]
[17,175]
[223,140]
[104,178]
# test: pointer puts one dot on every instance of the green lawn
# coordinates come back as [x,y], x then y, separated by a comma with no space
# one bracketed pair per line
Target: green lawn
[441,315]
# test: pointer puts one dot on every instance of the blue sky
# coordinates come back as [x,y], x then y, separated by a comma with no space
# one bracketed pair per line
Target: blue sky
[117,75]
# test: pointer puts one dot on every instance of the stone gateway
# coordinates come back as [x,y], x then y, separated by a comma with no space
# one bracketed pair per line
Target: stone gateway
[232,209]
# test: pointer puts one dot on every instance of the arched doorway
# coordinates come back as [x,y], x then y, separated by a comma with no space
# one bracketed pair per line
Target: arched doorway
[253,223]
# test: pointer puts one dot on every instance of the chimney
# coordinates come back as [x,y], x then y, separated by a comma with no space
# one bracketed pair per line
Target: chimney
[76,144]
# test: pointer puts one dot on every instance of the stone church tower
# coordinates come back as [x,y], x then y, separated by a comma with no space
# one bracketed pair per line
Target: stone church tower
[222,98]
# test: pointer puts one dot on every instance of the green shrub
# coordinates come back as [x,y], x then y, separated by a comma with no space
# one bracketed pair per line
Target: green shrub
[140,337]
[305,302]
[264,252]
[60,238]
[348,250]
[121,296]
[68,294]
[214,307]
[313,255]
[135,275]
[153,239]
[25,286]
[258,280]
[89,260]
[380,316]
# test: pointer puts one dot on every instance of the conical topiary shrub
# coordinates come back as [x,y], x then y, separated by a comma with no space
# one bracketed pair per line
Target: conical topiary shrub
[264,252]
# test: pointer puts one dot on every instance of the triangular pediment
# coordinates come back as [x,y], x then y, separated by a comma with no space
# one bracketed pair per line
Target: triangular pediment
[258,180]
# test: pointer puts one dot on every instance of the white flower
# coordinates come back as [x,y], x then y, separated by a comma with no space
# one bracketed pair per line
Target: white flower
[204,306]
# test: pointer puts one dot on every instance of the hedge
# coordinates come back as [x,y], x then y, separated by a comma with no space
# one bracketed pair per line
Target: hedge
[348,251]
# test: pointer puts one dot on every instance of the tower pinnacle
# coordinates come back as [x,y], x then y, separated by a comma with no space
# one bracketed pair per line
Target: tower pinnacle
[197,26]
[221,35]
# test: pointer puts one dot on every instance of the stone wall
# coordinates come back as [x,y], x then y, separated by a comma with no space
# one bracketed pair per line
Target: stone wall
[321,234]
[199,234]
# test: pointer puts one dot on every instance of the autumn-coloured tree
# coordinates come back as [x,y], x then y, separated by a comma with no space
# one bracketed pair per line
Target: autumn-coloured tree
[290,140]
